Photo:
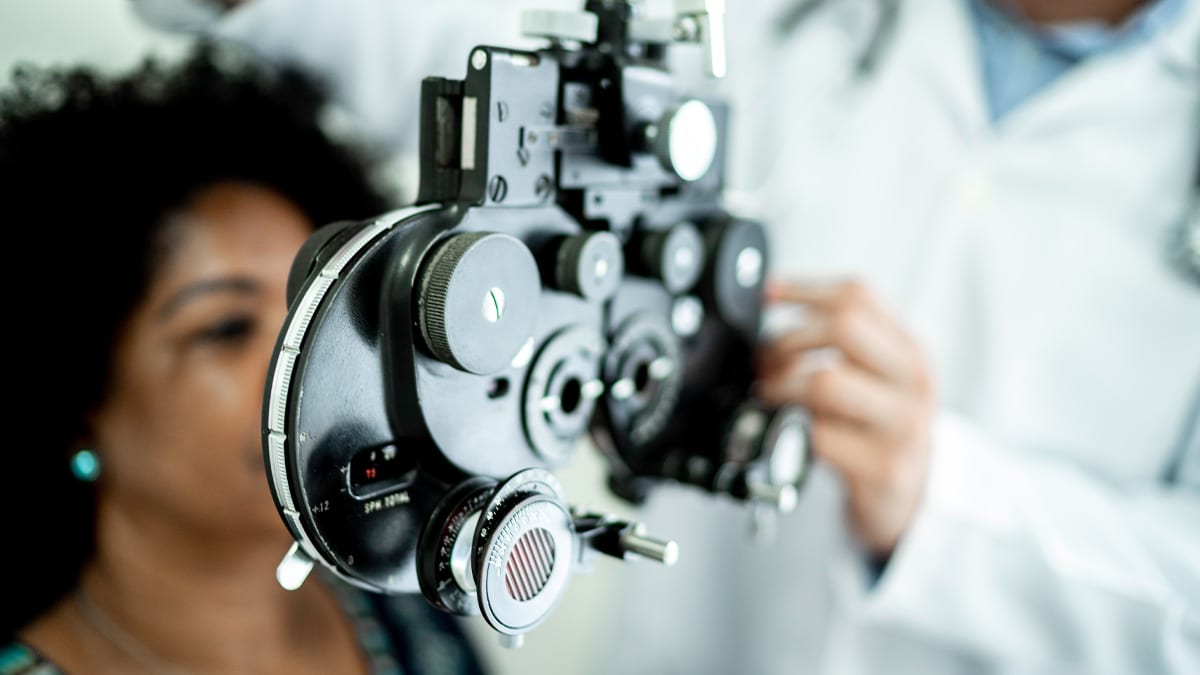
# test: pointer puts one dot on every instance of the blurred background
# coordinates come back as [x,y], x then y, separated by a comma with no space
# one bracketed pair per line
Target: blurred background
[104,32]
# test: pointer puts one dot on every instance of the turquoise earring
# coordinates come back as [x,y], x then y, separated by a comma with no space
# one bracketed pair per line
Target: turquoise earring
[85,466]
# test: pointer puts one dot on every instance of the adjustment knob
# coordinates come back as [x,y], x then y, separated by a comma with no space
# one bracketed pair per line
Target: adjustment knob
[685,139]
[737,270]
[524,548]
[637,543]
[623,540]
[560,25]
[676,256]
[785,447]
[773,449]
[590,265]
[709,22]
[294,568]
[561,391]
[644,378]
[445,551]
[478,298]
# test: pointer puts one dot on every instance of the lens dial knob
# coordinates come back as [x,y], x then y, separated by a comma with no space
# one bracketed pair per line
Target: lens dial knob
[590,265]
[524,548]
[771,450]
[561,391]
[644,378]
[736,273]
[478,299]
[675,256]
[445,550]
[686,139]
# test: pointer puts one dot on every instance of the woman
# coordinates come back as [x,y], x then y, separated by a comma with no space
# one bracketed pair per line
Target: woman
[168,204]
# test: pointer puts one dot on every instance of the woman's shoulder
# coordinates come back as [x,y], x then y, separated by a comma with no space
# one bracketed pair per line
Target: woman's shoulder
[18,658]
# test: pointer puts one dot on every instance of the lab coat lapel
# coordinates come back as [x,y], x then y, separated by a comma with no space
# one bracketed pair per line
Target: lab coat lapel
[945,51]
[1085,91]
[1180,48]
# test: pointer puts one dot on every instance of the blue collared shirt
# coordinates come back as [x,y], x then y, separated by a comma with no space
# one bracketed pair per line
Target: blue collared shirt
[1020,59]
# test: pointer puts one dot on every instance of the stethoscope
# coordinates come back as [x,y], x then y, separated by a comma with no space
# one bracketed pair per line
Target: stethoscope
[1186,249]
[881,33]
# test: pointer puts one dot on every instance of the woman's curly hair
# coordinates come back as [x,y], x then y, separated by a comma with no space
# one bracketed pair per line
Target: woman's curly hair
[91,165]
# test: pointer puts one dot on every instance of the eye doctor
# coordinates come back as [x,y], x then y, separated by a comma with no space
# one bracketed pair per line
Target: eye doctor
[981,207]
[1012,421]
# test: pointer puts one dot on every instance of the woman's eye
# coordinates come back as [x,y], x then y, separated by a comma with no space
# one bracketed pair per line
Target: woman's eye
[227,330]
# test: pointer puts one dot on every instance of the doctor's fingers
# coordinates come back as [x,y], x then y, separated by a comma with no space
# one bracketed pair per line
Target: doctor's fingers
[869,464]
[855,453]
[843,392]
[848,317]
[859,337]
[846,447]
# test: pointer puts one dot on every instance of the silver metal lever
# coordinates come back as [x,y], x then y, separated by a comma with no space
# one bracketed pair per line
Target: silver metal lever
[603,533]
[294,568]
[636,541]
[559,25]
[696,21]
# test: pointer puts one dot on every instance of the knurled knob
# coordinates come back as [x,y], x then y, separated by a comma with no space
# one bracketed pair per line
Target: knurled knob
[478,301]
[675,256]
[686,140]
[590,265]
[525,545]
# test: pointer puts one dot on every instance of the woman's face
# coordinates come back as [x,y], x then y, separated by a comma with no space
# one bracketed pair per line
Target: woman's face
[179,434]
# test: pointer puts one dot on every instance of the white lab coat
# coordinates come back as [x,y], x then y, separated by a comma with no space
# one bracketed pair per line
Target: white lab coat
[1028,257]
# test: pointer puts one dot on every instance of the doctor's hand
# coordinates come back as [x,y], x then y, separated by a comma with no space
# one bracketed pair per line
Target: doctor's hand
[871,409]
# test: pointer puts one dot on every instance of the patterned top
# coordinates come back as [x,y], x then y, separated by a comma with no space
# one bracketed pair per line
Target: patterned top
[398,634]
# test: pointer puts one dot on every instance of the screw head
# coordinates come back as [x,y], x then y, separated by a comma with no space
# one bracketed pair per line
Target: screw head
[493,305]
[687,315]
[497,189]
[749,267]
[544,187]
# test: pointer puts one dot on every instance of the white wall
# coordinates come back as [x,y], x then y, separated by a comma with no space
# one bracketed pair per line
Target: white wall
[104,32]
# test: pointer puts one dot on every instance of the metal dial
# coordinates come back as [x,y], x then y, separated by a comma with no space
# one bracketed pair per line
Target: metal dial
[524,549]
[478,300]
[686,140]
[445,568]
